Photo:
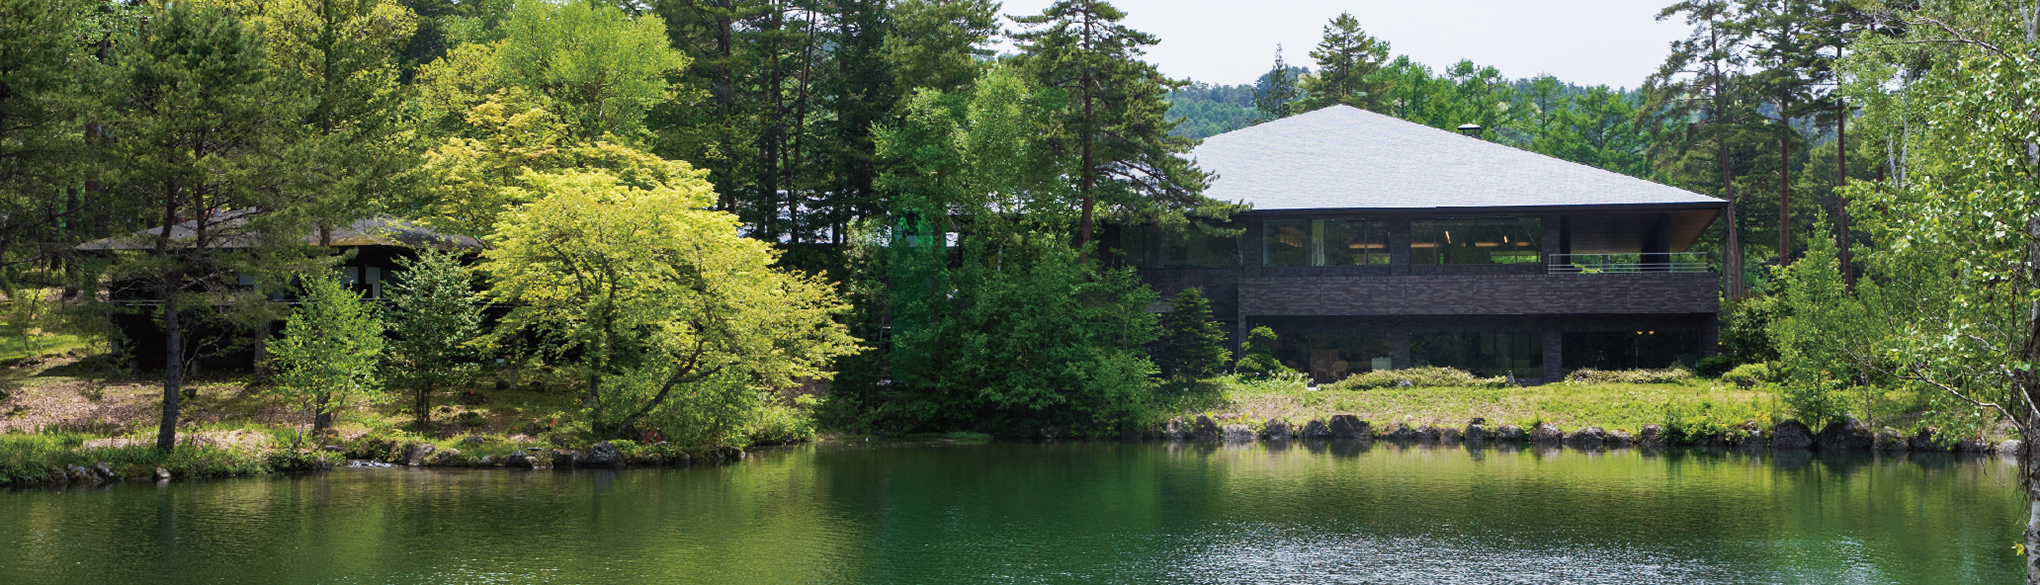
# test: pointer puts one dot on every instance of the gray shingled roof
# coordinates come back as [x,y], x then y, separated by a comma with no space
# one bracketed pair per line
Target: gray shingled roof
[1347,158]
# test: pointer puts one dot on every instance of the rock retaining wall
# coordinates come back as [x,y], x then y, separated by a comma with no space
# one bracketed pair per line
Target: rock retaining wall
[1848,435]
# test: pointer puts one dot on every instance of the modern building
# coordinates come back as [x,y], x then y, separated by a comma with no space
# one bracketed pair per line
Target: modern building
[1375,243]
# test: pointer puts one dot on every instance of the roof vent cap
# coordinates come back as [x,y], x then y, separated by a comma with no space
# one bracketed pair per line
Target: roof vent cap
[1470,130]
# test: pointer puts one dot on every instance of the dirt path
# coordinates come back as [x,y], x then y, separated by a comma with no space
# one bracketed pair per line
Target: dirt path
[48,395]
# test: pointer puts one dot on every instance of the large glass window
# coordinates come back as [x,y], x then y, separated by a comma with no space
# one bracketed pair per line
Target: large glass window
[1509,240]
[1330,357]
[1484,354]
[1324,242]
[1180,246]
[1622,350]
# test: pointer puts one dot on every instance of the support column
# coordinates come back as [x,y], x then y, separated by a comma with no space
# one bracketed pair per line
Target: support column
[1399,246]
[1554,354]
[1554,240]
[1710,336]
[1239,345]
[1399,345]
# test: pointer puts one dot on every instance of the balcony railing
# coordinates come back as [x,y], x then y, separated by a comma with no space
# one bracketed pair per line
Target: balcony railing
[1627,263]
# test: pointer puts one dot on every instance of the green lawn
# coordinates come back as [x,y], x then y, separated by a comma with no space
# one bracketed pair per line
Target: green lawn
[14,345]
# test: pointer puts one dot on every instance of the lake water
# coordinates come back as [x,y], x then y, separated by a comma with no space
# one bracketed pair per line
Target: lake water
[1057,513]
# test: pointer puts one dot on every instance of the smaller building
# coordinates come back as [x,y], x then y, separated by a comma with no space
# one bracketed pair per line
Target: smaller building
[375,244]
[1375,243]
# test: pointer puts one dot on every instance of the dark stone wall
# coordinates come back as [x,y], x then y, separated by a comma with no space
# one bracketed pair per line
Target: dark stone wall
[1221,286]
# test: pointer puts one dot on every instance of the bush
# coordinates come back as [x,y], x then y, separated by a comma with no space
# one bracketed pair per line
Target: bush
[1260,355]
[1817,403]
[1428,377]
[1746,334]
[776,424]
[1687,423]
[1714,366]
[1747,375]
[1664,376]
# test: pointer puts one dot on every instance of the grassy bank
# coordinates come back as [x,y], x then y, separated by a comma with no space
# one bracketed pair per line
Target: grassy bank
[46,458]
[63,410]
[1569,406]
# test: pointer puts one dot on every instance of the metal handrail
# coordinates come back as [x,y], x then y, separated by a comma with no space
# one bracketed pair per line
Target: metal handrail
[1686,262]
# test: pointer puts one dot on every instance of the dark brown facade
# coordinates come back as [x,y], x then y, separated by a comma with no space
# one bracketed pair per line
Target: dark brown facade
[1608,287]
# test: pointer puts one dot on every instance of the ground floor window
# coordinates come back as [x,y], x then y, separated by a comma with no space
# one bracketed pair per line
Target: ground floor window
[1484,354]
[1625,350]
[1333,356]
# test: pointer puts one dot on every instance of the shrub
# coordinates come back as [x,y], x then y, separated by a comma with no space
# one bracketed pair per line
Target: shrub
[1664,376]
[776,424]
[1685,425]
[1747,375]
[1427,377]
[1715,365]
[1260,355]
[1816,403]
[1746,334]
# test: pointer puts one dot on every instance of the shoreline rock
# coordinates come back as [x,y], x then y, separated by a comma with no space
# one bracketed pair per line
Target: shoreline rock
[1346,426]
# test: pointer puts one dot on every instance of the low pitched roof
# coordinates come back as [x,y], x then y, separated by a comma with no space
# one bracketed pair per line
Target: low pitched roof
[1343,157]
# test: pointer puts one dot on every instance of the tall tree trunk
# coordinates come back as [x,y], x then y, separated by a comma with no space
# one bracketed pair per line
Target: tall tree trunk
[2027,383]
[725,49]
[324,419]
[173,362]
[423,410]
[1785,185]
[1089,173]
[1841,200]
[1732,256]
[595,406]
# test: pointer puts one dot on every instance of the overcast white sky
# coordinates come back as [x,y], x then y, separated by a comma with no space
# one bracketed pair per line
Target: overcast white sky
[1589,42]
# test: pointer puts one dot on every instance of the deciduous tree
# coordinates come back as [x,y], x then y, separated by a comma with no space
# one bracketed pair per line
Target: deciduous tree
[435,323]
[327,358]
[658,304]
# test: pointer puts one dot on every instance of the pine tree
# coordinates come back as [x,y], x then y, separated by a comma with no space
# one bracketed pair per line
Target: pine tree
[1115,122]
[1349,63]
[1278,100]
[46,76]
[200,121]
[340,57]
[1698,94]
[1192,346]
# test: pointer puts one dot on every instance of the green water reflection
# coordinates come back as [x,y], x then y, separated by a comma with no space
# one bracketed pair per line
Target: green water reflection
[1056,513]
